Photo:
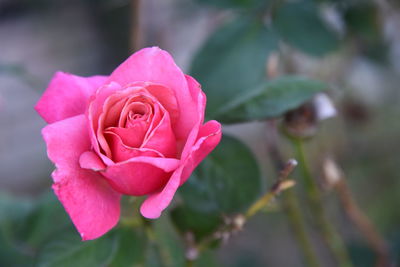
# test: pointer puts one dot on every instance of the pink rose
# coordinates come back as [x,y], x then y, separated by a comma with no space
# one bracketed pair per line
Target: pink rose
[136,132]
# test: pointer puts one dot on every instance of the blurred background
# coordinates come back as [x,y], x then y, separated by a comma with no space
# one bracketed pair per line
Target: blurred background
[352,45]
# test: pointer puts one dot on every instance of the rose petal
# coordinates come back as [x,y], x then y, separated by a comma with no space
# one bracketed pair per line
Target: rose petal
[110,113]
[162,138]
[156,203]
[66,140]
[132,137]
[123,152]
[94,207]
[167,98]
[66,96]
[90,202]
[193,85]
[201,103]
[90,160]
[208,138]
[140,175]
[157,66]
[95,109]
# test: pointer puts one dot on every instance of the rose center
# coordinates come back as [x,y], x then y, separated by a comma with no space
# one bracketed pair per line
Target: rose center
[136,112]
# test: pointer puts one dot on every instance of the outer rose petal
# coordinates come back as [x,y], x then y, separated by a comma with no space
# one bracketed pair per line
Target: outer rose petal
[156,203]
[157,66]
[90,202]
[193,135]
[209,137]
[66,96]
[194,86]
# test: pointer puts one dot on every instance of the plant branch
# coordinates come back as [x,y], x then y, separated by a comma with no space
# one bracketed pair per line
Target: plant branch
[335,177]
[281,185]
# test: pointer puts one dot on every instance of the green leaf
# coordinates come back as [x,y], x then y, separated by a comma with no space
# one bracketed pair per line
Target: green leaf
[153,257]
[227,181]
[364,25]
[12,208]
[67,249]
[207,259]
[233,60]
[13,213]
[168,242]
[300,25]
[361,255]
[37,230]
[131,247]
[270,100]
[201,224]
[363,20]
[25,226]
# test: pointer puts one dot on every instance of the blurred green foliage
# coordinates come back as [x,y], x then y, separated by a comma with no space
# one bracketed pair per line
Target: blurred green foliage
[233,60]
[300,24]
[271,100]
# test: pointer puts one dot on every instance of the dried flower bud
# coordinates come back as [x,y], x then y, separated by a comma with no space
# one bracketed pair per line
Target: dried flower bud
[301,122]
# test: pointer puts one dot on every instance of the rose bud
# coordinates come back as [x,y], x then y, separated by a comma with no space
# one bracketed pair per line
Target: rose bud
[136,132]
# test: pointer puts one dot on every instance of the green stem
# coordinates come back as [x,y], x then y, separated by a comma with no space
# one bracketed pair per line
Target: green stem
[297,224]
[332,239]
[290,202]
[276,189]
[259,204]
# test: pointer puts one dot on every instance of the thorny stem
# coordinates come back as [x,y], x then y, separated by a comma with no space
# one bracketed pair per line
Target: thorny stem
[332,239]
[291,204]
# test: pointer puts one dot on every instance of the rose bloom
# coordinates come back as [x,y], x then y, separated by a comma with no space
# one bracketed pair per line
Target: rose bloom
[136,132]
